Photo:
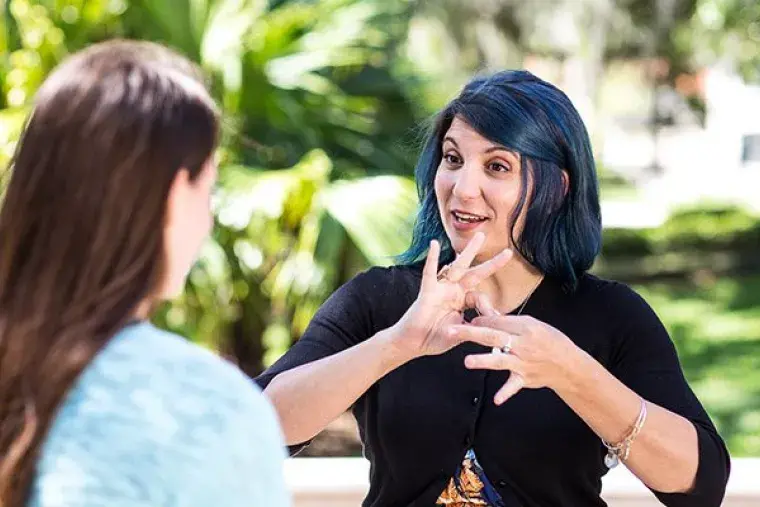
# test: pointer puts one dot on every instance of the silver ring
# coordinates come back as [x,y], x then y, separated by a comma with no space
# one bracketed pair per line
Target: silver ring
[507,347]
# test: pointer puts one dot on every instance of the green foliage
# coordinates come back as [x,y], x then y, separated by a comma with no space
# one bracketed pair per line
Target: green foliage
[701,229]
[291,76]
[295,76]
[723,27]
[718,241]
[700,271]
[284,240]
[715,323]
[709,229]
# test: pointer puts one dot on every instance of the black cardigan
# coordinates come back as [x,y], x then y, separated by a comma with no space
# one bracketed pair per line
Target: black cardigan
[417,422]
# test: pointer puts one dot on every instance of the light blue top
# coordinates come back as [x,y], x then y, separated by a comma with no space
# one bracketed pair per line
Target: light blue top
[157,421]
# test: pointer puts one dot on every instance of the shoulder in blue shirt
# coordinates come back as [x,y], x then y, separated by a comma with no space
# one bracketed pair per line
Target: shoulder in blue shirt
[155,420]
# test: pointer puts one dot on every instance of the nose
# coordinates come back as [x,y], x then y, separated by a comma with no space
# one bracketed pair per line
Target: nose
[467,184]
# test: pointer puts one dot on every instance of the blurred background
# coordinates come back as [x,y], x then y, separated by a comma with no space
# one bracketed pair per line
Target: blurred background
[325,103]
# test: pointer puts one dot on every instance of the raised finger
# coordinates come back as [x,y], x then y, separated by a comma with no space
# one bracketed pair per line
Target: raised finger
[484,306]
[464,259]
[477,274]
[430,271]
[514,384]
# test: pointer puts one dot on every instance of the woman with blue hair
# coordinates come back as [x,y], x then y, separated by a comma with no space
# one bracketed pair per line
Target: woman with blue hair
[489,367]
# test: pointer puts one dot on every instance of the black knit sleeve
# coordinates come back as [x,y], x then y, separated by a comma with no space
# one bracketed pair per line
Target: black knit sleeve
[645,359]
[344,320]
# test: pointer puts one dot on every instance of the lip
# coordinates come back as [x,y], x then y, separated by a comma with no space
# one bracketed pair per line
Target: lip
[464,226]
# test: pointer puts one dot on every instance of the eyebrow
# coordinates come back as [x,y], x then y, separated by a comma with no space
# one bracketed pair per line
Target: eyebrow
[451,140]
[488,150]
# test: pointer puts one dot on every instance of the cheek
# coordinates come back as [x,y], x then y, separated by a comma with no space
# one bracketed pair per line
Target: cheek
[206,217]
[502,199]
[509,204]
[442,184]
[197,222]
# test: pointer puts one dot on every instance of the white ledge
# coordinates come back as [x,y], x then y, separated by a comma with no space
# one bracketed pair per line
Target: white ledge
[343,482]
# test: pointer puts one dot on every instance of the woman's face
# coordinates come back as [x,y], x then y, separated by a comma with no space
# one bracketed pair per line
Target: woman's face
[188,223]
[478,186]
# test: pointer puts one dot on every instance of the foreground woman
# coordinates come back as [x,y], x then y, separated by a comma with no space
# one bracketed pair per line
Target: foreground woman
[103,216]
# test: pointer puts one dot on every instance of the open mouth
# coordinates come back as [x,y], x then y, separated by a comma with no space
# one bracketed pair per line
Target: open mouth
[468,218]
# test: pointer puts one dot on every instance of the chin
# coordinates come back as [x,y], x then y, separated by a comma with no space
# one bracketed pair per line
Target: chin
[457,244]
[486,253]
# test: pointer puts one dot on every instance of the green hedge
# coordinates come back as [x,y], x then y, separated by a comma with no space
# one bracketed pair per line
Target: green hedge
[710,229]
[720,239]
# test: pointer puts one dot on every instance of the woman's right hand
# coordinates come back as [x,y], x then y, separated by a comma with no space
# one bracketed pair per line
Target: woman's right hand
[441,300]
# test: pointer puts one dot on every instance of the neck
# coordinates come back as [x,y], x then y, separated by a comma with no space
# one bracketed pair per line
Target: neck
[509,287]
[142,310]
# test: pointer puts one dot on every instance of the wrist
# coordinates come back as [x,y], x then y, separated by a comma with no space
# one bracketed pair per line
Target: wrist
[577,372]
[396,346]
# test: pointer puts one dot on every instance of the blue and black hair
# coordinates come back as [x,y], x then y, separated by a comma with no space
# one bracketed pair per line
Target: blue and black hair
[562,233]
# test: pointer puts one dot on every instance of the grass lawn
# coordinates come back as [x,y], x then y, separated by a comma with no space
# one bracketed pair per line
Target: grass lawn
[715,325]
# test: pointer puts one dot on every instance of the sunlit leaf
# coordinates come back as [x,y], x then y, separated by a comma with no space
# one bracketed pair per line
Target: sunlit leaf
[174,22]
[223,37]
[377,212]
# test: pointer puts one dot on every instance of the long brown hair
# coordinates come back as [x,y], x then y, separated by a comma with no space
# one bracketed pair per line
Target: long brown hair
[81,225]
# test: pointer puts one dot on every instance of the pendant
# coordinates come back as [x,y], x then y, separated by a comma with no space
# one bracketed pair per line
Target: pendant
[611,460]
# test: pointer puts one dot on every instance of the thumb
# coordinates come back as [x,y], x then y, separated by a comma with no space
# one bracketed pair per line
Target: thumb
[471,299]
[484,306]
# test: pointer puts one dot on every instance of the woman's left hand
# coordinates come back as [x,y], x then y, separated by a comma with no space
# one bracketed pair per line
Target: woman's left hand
[536,354]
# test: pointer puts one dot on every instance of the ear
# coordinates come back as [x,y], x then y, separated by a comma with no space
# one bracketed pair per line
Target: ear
[565,182]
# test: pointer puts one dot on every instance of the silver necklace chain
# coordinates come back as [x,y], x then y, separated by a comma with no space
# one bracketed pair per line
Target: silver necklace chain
[525,302]
[522,307]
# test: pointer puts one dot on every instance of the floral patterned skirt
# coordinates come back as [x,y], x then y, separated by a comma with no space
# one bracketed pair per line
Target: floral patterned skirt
[470,486]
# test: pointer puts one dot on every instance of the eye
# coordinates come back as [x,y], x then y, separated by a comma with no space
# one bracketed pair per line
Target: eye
[452,158]
[499,167]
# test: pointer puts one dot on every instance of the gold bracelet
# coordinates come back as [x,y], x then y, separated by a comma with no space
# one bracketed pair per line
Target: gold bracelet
[620,451]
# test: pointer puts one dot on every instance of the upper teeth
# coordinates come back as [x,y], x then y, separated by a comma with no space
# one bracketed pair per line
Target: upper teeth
[467,216]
